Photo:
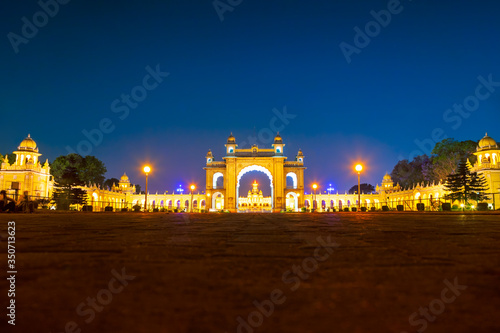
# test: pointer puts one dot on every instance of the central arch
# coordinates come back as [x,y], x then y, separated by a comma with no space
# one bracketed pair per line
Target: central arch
[253,168]
[292,201]
[218,196]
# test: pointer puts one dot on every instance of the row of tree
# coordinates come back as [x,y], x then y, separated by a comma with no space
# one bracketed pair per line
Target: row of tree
[444,160]
[450,162]
[72,171]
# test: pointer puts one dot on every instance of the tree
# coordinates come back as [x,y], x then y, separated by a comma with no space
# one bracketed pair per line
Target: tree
[11,157]
[447,155]
[365,188]
[59,168]
[137,188]
[66,192]
[109,182]
[89,169]
[92,170]
[409,173]
[465,185]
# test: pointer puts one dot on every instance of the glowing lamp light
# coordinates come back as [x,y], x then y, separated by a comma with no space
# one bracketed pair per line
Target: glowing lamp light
[358,167]
[461,205]
[146,169]
[193,187]
[315,186]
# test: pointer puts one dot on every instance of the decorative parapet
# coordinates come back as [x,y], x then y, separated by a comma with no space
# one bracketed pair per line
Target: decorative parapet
[216,165]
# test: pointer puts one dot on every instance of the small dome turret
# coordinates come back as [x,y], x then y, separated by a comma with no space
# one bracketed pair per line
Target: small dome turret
[28,144]
[487,143]
[231,138]
[124,178]
[277,138]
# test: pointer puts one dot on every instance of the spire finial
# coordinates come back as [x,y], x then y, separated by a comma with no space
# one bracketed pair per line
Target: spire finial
[486,134]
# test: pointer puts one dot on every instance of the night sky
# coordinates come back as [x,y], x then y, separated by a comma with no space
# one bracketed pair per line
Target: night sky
[237,75]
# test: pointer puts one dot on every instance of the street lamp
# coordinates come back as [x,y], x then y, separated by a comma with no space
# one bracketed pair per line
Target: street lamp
[358,168]
[146,169]
[315,186]
[192,190]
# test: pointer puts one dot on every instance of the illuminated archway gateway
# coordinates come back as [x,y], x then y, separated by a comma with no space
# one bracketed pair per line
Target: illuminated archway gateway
[270,161]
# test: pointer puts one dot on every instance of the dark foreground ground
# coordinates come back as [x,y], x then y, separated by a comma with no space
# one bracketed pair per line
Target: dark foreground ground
[222,272]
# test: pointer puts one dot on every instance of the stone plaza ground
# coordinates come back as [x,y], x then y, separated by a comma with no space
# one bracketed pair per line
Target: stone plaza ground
[340,272]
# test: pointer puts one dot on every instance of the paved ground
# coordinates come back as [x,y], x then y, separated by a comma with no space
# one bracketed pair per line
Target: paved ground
[367,272]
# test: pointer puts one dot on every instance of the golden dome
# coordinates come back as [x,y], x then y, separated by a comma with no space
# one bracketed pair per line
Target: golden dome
[387,177]
[231,138]
[278,139]
[28,144]
[124,178]
[487,143]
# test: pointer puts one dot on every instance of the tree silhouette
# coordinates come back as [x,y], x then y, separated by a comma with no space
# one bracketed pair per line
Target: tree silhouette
[465,185]
[365,188]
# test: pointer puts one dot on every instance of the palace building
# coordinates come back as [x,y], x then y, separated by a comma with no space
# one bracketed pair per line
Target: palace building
[27,173]
[223,180]
[255,200]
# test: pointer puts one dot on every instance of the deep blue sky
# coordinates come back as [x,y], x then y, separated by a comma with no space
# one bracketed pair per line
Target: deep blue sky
[229,76]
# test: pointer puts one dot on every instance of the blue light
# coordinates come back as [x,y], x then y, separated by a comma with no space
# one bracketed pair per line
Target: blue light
[330,189]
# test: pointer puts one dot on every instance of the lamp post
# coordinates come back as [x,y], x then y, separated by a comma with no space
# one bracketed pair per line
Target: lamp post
[358,168]
[192,190]
[315,186]
[147,169]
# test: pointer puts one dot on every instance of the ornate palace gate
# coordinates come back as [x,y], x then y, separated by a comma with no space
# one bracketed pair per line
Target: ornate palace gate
[223,177]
